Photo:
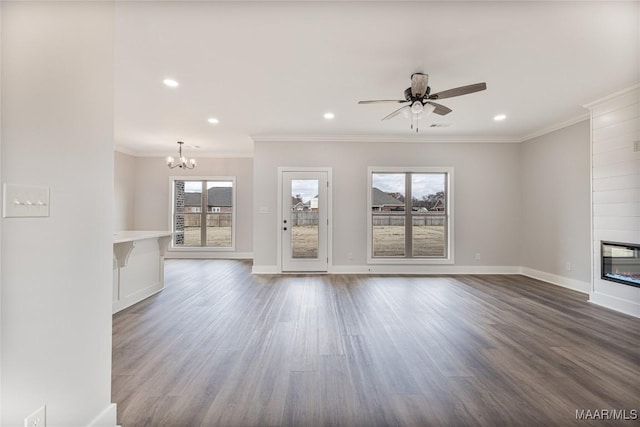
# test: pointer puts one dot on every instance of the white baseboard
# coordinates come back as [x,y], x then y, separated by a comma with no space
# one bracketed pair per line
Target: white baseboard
[136,297]
[207,255]
[106,418]
[402,269]
[422,269]
[565,282]
[631,308]
[264,269]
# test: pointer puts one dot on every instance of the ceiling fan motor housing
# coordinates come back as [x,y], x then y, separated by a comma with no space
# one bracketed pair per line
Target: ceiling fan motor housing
[410,98]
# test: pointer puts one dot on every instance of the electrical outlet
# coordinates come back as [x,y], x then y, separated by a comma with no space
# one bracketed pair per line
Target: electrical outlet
[38,418]
[567,266]
[478,255]
[350,256]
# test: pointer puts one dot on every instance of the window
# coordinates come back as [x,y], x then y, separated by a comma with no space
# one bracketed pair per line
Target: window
[409,219]
[203,213]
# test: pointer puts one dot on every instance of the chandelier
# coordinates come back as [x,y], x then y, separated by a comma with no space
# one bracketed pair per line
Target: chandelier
[182,162]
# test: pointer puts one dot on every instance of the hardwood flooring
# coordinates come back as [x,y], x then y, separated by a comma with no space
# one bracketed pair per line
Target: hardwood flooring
[221,347]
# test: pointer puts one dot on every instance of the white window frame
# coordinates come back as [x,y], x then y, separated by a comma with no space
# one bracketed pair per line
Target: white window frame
[172,186]
[449,258]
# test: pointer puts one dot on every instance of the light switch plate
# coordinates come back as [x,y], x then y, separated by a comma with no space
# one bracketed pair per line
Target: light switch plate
[25,201]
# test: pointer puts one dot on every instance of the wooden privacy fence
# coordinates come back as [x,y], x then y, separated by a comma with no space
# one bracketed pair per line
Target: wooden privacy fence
[385,219]
[304,218]
[381,220]
[213,220]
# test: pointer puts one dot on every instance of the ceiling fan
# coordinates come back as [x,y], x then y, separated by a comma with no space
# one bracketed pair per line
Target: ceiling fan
[419,99]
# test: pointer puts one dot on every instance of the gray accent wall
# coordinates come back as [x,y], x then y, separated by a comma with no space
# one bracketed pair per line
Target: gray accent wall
[555,210]
[152,196]
[486,192]
[124,191]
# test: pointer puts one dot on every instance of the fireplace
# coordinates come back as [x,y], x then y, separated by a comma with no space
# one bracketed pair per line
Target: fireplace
[621,263]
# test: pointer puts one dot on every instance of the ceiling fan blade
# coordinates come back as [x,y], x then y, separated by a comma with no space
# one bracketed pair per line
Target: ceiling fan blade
[462,90]
[381,101]
[440,109]
[395,113]
[419,83]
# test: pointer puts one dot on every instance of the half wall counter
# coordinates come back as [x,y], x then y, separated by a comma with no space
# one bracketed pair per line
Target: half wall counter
[138,266]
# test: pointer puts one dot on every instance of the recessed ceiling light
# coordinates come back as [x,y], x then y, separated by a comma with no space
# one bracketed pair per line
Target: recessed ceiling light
[499,117]
[213,120]
[170,83]
[329,116]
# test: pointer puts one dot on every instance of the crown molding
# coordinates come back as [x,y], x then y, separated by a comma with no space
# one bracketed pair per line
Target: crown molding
[198,155]
[384,139]
[124,150]
[613,95]
[424,139]
[556,127]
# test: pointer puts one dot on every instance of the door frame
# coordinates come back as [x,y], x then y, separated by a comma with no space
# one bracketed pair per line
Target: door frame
[328,170]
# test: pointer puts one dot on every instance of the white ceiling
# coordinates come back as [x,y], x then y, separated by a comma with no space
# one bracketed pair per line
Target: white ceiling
[272,69]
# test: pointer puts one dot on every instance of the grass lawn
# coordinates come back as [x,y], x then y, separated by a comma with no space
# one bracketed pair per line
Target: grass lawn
[388,240]
[428,240]
[219,237]
[304,241]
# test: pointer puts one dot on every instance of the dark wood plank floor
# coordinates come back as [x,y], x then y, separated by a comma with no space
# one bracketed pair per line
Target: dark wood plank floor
[220,347]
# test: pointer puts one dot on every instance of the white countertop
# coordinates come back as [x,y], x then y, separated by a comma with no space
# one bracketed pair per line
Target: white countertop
[130,235]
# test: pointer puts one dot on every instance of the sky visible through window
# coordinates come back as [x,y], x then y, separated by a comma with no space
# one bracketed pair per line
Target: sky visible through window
[196,186]
[422,184]
[307,189]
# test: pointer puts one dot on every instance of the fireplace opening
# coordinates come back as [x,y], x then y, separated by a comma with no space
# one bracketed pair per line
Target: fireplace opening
[621,263]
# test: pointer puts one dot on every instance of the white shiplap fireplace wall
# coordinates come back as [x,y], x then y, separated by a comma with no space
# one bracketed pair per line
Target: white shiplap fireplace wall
[615,174]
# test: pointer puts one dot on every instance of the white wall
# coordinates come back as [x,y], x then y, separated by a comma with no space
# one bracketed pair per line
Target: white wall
[152,194]
[57,105]
[615,126]
[556,209]
[124,191]
[487,198]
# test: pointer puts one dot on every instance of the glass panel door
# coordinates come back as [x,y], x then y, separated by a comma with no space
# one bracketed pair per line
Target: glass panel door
[304,218]
[304,221]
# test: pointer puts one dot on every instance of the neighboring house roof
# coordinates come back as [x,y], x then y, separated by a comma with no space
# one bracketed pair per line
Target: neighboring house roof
[380,198]
[216,196]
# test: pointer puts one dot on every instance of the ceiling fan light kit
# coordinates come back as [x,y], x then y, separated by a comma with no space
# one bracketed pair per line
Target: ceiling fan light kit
[419,99]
